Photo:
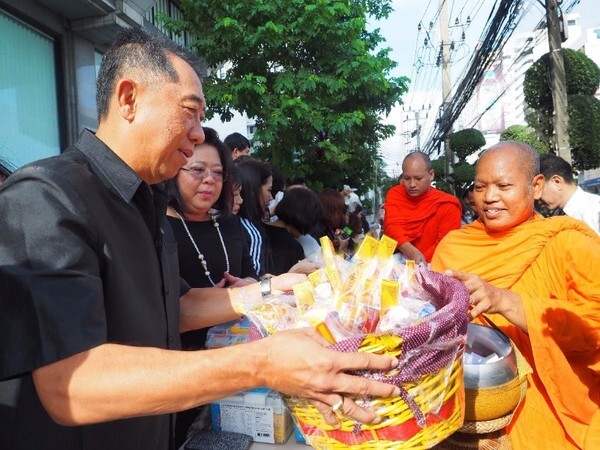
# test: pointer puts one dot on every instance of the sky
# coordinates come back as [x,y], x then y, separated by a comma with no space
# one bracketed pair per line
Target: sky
[416,62]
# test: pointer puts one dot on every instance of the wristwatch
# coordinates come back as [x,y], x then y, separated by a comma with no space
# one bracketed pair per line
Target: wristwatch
[265,287]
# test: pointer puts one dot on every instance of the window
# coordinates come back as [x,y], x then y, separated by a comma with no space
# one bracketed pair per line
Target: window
[98,61]
[29,125]
[170,9]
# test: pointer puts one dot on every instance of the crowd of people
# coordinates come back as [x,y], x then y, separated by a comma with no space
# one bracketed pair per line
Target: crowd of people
[122,251]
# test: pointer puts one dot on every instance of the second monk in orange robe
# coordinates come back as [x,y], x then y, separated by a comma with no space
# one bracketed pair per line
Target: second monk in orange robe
[417,215]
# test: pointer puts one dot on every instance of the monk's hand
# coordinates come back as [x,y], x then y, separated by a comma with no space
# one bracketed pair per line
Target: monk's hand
[411,252]
[485,298]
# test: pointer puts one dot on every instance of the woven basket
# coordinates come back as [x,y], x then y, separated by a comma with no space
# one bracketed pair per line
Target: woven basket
[430,376]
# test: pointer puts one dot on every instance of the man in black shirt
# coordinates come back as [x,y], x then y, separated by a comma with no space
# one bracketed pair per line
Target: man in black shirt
[91,304]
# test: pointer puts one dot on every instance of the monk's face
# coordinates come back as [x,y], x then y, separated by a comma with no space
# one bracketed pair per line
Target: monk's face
[504,194]
[415,176]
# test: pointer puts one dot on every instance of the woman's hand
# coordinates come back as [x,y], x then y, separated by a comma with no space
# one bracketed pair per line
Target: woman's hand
[305,266]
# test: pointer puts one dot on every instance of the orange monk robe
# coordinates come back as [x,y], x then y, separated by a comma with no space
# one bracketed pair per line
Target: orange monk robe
[554,265]
[423,221]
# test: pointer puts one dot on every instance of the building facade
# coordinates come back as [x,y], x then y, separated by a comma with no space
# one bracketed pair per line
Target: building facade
[50,52]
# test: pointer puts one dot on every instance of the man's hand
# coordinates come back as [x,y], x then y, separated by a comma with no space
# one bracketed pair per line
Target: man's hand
[298,363]
[486,298]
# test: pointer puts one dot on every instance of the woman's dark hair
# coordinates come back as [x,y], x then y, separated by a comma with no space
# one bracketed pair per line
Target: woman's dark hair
[355,223]
[253,174]
[334,207]
[234,177]
[278,180]
[300,208]
[224,202]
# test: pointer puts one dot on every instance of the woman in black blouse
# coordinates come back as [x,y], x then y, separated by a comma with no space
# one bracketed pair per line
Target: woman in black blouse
[211,243]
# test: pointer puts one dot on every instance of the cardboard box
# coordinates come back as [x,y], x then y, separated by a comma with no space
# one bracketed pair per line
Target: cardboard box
[260,413]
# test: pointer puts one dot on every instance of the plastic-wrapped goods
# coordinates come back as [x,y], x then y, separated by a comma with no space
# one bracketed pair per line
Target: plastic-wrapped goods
[375,303]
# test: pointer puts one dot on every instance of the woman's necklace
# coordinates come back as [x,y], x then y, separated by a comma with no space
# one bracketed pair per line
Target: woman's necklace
[200,255]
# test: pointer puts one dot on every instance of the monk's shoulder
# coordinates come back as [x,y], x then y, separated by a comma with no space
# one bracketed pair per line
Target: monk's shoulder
[445,197]
[573,239]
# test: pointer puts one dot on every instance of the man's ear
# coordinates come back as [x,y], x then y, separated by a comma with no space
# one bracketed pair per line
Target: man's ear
[126,91]
[558,181]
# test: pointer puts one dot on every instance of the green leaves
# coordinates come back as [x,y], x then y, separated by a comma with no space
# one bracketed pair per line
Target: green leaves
[582,80]
[465,142]
[315,80]
[584,131]
[522,133]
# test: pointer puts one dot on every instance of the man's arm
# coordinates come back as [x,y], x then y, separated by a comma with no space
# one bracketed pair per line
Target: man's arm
[205,307]
[111,381]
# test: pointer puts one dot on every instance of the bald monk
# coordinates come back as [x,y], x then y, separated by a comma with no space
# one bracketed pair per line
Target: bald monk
[539,280]
[418,215]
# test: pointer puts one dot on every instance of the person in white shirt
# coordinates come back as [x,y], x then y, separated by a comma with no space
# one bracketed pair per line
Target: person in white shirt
[560,191]
[351,199]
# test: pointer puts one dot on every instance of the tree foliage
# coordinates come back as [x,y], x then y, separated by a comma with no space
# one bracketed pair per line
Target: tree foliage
[462,177]
[465,142]
[581,73]
[309,72]
[523,133]
[584,131]
[582,80]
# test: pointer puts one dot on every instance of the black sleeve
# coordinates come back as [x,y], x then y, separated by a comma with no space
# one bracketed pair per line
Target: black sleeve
[51,292]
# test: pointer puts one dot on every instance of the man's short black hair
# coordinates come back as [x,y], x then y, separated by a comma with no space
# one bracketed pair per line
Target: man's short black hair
[555,165]
[146,54]
[237,140]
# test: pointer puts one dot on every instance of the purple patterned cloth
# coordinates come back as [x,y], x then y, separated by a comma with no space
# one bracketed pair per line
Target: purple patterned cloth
[430,344]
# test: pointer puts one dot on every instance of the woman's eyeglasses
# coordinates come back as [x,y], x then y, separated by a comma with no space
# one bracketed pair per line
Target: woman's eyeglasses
[199,173]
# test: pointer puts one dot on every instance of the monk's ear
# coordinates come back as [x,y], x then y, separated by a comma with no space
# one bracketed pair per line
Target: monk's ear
[431,175]
[538,186]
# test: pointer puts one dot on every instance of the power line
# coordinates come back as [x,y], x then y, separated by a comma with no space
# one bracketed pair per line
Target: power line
[501,25]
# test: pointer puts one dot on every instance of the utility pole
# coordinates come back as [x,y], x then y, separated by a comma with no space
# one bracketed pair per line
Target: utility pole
[558,82]
[446,86]
[417,117]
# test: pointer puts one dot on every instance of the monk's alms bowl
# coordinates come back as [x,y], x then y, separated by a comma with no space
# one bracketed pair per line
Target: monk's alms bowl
[485,342]
[492,389]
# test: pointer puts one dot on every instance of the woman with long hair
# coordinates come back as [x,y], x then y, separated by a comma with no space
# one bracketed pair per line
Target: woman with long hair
[257,181]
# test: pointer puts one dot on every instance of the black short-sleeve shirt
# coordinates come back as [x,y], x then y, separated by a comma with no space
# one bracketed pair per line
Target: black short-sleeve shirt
[86,258]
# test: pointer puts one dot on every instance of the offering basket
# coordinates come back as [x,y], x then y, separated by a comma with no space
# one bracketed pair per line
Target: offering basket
[430,375]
